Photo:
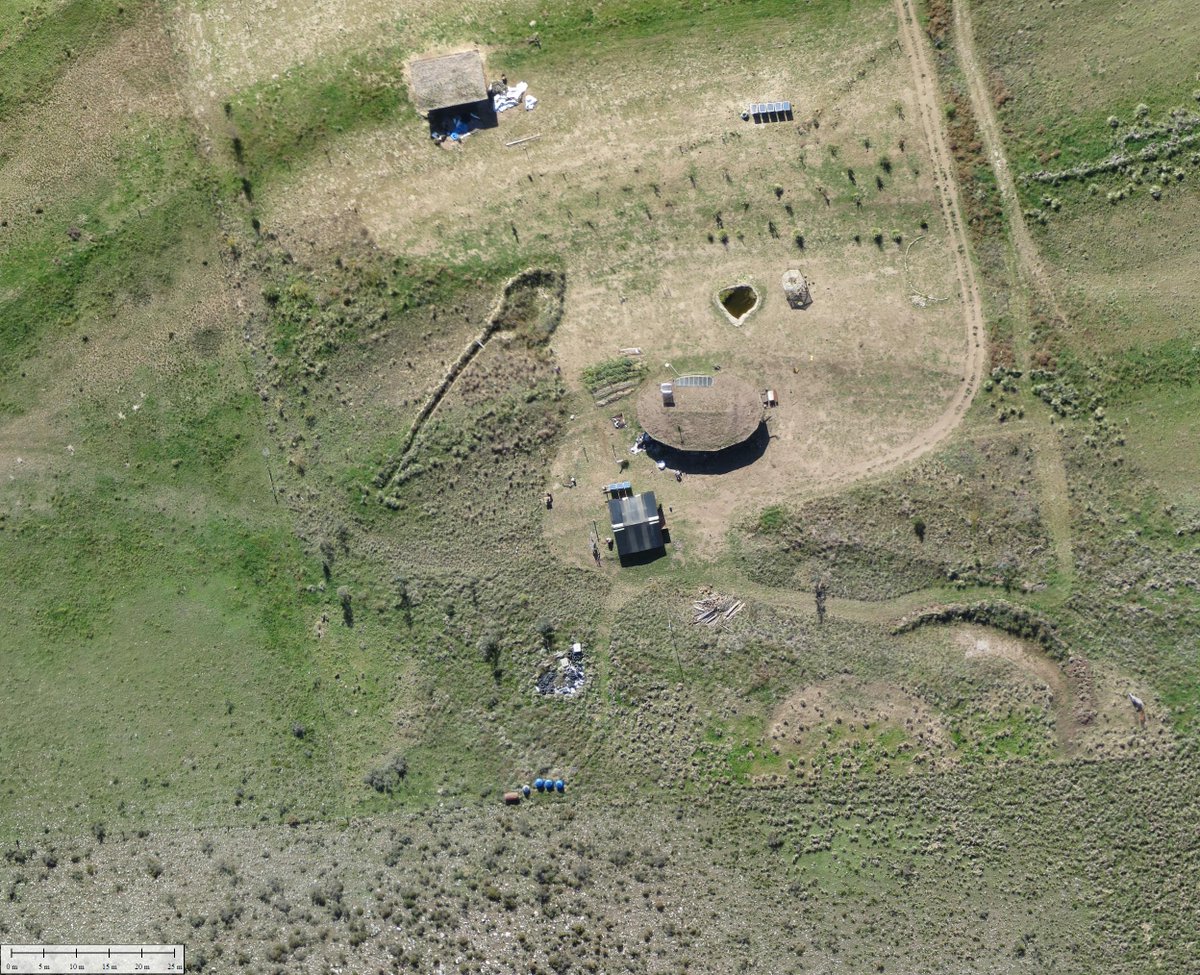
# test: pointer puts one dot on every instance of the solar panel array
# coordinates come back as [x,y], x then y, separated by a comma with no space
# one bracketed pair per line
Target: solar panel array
[771,111]
[694,381]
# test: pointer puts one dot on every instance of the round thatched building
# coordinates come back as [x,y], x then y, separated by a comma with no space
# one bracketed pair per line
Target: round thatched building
[700,414]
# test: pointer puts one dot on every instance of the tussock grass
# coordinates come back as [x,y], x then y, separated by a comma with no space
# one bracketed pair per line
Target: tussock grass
[276,125]
[36,50]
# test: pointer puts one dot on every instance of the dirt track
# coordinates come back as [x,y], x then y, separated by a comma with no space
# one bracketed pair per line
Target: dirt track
[813,468]
[925,86]
[989,129]
[1029,271]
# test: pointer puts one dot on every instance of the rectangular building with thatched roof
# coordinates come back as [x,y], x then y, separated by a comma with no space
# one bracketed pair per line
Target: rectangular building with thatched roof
[447,81]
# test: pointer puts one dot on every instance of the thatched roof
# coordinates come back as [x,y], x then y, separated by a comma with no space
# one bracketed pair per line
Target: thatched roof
[704,418]
[448,80]
[794,283]
[795,288]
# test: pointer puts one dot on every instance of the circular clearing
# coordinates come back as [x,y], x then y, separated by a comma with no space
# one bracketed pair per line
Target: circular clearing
[705,416]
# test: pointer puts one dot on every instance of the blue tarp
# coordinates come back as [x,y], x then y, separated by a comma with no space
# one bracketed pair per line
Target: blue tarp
[459,127]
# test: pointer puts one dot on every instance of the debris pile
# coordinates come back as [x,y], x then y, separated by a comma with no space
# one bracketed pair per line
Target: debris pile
[504,97]
[456,129]
[715,609]
[566,677]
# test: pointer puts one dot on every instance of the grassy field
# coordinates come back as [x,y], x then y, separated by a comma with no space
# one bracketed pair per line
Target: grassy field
[1121,240]
[270,661]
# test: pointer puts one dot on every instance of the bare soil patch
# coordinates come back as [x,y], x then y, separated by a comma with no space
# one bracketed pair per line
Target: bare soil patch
[859,711]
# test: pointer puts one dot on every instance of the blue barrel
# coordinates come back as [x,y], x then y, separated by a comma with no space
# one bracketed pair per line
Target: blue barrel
[525,791]
[559,785]
[539,784]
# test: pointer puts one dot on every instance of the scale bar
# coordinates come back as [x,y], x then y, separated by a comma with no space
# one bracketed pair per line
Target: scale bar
[82,959]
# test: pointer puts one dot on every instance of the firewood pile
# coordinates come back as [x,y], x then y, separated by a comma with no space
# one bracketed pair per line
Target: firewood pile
[714,609]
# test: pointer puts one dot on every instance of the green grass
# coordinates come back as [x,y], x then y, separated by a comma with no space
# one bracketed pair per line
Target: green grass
[133,230]
[1163,424]
[612,371]
[34,55]
[277,125]
[1018,735]
[773,519]
[311,320]
[1062,96]
[165,656]
[584,24]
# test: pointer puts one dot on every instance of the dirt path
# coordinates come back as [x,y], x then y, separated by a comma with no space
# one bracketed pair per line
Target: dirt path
[929,109]
[989,130]
[1026,271]
[981,643]
[1056,501]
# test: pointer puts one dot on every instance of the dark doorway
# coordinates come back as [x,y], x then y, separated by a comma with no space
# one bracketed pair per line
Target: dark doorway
[463,118]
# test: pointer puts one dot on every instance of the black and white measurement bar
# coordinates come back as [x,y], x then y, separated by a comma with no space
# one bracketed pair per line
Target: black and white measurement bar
[111,959]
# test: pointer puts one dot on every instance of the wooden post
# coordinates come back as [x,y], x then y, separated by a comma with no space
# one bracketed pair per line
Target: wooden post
[267,459]
[678,662]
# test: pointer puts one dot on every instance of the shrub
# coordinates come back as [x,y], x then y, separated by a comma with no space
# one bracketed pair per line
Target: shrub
[387,777]
[772,519]
[489,651]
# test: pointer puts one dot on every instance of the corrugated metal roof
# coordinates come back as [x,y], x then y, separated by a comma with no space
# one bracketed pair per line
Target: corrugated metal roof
[635,524]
